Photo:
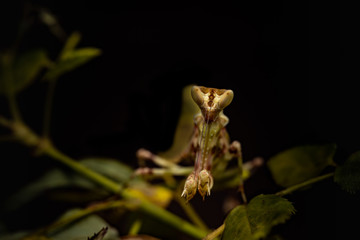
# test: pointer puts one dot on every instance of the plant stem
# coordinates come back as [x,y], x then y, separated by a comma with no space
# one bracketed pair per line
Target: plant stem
[145,206]
[304,184]
[217,232]
[48,108]
[135,227]
[168,218]
[78,167]
[31,139]
[191,213]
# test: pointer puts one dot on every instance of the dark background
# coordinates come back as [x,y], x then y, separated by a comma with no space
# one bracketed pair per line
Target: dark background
[289,66]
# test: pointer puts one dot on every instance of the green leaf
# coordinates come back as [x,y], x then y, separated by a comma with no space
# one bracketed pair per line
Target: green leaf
[71,60]
[51,180]
[237,225]
[255,220]
[57,178]
[27,67]
[266,211]
[84,228]
[111,168]
[348,174]
[298,164]
[17,75]
[71,43]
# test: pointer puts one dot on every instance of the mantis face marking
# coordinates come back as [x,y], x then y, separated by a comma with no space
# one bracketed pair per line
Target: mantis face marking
[211,102]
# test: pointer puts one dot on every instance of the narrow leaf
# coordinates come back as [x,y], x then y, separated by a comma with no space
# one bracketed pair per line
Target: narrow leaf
[348,174]
[27,67]
[51,180]
[255,220]
[71,60]
[111,168]
[18,74]
[57,178]
[85,228]
[71,43]
[300,163]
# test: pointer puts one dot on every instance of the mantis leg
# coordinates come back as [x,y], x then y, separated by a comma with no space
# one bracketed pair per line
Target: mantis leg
[235,150]
[166,166]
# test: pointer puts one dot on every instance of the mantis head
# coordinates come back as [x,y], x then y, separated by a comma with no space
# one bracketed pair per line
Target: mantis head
[211,101]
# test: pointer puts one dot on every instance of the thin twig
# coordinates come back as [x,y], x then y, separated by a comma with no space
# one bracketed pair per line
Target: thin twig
[217,232]
[304,184]
[190,212]
[135,227]
[241,184]
[113,187]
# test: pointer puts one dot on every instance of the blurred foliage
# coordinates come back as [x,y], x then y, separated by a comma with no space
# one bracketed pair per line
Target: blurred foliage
[300,163]
[347,175]
[18,73]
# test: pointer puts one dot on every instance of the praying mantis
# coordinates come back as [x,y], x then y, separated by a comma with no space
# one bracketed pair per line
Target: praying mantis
[208,144]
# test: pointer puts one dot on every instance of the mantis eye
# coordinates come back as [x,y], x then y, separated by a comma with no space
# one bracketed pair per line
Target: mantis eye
[226,98]
[197,95]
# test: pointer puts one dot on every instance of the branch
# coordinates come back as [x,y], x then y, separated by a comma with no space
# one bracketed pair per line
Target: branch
[29,138]
[190,211]
[304,184]
[217,232]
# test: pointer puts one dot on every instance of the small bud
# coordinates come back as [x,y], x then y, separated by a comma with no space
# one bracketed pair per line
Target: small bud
[205,183]
[189,187]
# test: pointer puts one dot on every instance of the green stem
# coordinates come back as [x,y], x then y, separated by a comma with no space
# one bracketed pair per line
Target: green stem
[78,167]
[135,227]
[169,218]
[191,213]
[31,139]
[304,184]
[144,205]
[217,232]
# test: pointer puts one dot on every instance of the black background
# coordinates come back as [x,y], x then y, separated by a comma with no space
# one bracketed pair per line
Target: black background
[289,65]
